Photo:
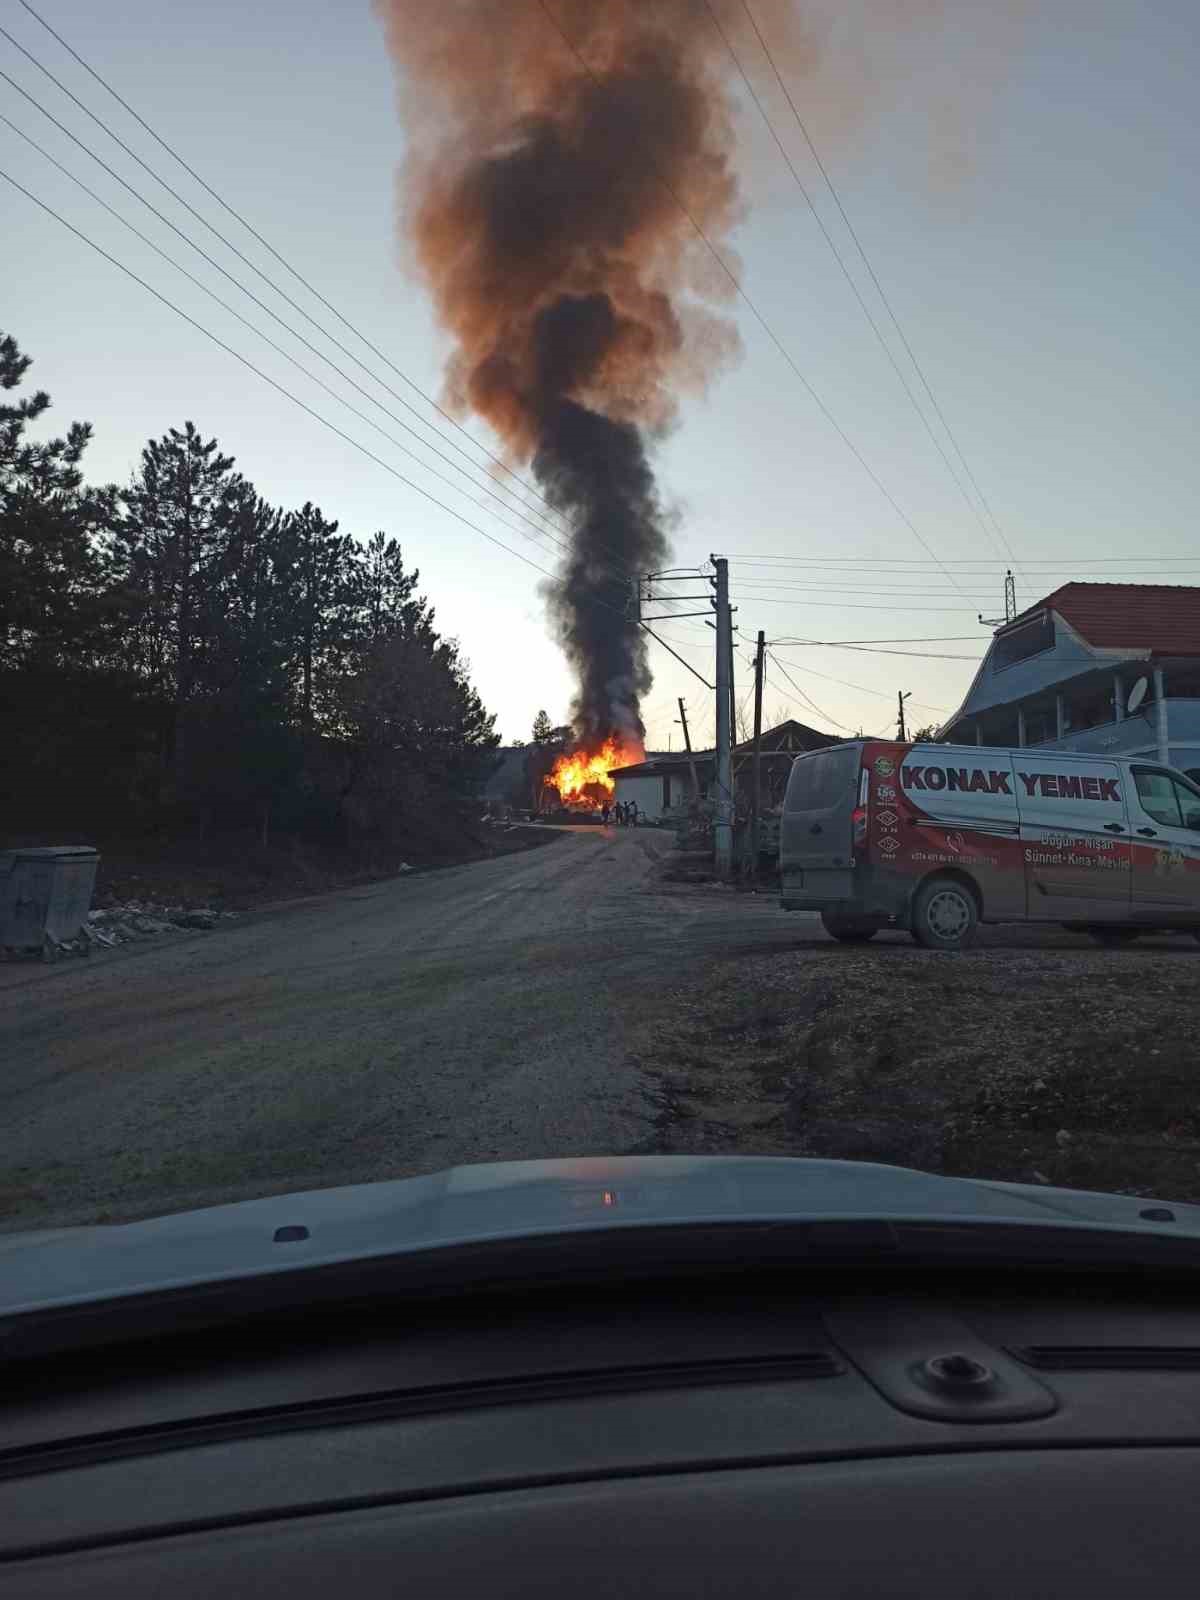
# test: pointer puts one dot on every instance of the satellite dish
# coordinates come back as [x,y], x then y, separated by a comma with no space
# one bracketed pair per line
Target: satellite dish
[1137,694]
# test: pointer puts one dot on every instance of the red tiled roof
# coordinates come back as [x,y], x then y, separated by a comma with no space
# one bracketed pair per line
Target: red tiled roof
[1161,617]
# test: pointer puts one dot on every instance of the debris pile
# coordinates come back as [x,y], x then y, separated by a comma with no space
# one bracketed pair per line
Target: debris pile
[135,920]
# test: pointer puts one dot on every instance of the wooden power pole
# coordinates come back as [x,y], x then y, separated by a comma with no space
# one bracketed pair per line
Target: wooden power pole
[756,814]
[687,745]
[901,697]
[723,821]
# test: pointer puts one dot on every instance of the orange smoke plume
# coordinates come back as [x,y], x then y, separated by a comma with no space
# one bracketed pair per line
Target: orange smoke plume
[564,158]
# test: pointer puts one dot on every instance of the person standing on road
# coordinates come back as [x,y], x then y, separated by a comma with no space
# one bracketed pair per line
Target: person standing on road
[633,814]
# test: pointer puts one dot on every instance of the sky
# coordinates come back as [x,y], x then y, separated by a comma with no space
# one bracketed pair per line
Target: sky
[1024,185]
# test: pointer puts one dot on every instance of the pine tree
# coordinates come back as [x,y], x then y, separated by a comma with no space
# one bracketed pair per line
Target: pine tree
[416,735]
[168,549]
[51,568]
[543,728]
[62,706]
[244,750]
[319,565]
[184,640]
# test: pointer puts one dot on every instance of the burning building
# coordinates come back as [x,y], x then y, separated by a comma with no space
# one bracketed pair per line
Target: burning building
[581,777]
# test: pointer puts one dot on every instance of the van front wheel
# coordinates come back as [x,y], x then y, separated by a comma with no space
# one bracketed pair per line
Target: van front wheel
[850,930]
[944,915]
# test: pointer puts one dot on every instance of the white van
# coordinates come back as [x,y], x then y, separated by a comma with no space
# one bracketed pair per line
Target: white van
[937,838]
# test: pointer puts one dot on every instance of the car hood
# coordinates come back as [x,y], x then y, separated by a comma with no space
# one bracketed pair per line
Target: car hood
[503,1204]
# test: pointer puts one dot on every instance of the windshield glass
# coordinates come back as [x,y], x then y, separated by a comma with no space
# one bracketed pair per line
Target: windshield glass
[455,458]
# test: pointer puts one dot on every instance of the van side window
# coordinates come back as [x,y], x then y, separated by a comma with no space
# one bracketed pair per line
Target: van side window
[1160,798]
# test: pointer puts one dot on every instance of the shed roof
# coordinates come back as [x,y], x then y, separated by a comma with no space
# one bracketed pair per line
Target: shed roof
[787,739]
[790,737]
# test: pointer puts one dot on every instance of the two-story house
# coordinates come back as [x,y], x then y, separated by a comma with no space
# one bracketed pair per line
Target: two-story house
[1109,668]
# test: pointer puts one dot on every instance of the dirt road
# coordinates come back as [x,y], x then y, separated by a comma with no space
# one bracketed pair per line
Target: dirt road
[569,1001]
[480,1013]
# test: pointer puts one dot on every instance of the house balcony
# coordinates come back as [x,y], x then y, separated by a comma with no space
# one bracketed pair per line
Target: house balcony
[1089,716]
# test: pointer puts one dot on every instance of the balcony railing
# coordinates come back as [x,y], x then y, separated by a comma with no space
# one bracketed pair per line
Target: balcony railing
[1131,733]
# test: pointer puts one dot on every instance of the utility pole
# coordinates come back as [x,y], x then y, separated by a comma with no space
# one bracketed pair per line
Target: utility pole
[723,825]
[734,732]
[759,668]
[1010,604]
[687,745]
[901,697]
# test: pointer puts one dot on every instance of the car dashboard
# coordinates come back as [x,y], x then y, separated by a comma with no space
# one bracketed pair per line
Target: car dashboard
[764,1434]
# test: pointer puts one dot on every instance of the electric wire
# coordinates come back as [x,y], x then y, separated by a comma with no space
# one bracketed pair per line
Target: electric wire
[497,460]
[853,232]
[278,387]
[279,349]
[744,296]
[846,273]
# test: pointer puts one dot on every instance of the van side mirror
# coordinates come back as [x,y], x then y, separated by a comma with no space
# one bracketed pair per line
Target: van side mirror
[1191,819]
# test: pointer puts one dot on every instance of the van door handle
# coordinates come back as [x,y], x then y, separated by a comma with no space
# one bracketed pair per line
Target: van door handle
[1148,833]
[1113,827]
[816,828]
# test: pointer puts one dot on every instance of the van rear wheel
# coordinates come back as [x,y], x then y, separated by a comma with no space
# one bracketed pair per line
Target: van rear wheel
[944,915]
[850,930]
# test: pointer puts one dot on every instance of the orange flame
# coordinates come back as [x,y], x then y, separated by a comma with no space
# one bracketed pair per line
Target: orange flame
[582,778]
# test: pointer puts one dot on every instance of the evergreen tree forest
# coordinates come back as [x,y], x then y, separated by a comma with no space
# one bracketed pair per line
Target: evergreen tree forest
[178,657]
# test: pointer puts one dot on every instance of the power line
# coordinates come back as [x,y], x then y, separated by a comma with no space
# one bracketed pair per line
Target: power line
[875,280]
[884,563]
[618,562]
[518,510]
[278,348]
[789,699]
[836,605]
[764,324]
[647,629]
[806,697]
[842,683]
[453,421]
[838,257]
[836,588]
[909,655]
[287,394]
[939,638]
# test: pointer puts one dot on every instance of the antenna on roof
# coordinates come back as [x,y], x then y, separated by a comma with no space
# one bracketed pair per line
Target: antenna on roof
[1010,604]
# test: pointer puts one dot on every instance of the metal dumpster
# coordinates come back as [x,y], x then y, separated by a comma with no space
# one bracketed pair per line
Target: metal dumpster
[45,894]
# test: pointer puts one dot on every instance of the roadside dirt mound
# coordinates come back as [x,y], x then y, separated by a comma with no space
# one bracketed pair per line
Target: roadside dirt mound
[240,874]
[1074,1068]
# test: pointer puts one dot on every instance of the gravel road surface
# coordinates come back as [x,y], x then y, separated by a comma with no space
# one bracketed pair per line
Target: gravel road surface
[562,1001]
[479,1013]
